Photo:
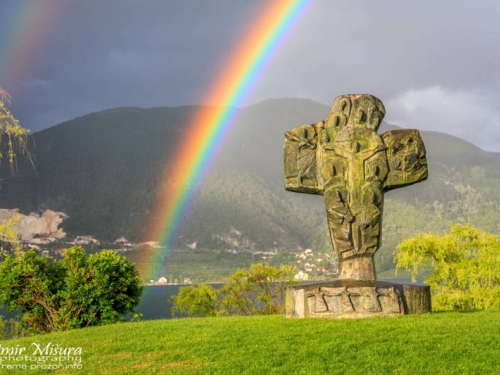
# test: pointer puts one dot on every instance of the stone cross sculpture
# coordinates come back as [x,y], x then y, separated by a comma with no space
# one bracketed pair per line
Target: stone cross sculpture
[346,161]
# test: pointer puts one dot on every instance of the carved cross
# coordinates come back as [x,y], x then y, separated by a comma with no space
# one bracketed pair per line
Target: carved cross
[346,161]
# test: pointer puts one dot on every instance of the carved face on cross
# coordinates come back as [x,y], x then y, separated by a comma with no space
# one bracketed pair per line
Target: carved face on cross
[346,161]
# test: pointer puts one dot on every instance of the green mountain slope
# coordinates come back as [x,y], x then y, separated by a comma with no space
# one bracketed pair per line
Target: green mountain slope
[105,170]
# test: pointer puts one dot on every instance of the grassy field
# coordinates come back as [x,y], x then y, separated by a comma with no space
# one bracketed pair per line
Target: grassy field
[441,343]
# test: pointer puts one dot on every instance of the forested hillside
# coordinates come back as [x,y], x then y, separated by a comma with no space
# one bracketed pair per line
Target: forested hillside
[105,169]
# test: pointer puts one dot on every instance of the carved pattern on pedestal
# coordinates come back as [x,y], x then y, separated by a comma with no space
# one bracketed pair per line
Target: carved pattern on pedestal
[376,300]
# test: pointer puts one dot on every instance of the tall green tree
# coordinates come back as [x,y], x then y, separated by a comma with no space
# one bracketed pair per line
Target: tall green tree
[464,267]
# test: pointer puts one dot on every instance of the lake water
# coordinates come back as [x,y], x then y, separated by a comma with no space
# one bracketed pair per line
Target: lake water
[156,301]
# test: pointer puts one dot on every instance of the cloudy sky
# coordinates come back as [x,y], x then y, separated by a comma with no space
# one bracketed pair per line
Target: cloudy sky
[435,64]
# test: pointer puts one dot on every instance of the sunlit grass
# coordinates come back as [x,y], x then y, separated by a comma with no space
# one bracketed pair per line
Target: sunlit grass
[461,343]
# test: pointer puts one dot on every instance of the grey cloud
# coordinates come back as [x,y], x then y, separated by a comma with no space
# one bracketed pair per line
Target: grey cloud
[469,114]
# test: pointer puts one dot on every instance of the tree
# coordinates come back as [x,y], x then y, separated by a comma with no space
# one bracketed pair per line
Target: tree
[13,137]
[13,141]
[464,266]
[9,236]
[76,291]
[258,290]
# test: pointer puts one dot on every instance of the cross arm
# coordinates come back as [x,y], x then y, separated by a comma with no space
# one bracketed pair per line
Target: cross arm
[406,158]
[300,153]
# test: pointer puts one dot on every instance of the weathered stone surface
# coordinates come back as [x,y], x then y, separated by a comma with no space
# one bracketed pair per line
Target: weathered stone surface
[356,299]
[345,160]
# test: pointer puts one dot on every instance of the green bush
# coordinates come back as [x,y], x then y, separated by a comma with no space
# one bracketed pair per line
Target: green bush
[76,291]
[464,266]
[200,300]
[257,290]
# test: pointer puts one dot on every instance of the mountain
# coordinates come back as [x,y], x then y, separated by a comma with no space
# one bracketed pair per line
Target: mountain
[104,171]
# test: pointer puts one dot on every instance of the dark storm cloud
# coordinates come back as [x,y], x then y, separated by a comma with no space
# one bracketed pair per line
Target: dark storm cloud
[106,54]
[433,63]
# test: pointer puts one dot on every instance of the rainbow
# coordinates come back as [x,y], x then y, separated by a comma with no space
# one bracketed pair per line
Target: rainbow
[209,126]
[24,28]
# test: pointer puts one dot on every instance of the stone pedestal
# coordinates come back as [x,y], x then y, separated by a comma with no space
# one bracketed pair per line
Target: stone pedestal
[342,298]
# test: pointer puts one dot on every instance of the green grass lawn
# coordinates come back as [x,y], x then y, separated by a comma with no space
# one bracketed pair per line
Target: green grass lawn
[442,343]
